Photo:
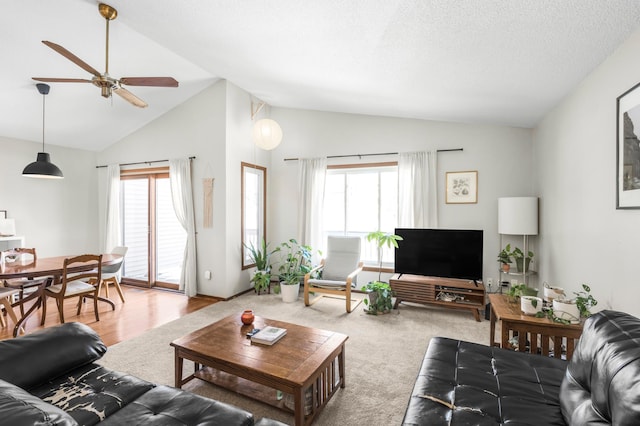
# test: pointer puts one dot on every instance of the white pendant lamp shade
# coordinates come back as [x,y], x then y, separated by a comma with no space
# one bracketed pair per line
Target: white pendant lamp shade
[518,215]
[267,134]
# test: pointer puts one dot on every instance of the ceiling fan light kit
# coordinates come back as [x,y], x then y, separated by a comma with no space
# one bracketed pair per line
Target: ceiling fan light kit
[43,167]
[107,84]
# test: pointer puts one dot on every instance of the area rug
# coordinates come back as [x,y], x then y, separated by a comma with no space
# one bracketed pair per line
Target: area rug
[383,353]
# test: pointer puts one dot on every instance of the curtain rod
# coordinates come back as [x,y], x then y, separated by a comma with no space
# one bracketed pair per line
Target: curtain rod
[371,155]
[141,162]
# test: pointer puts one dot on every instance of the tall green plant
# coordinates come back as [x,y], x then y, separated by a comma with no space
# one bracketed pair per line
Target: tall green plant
[260,255]
[383,239]
[296,261]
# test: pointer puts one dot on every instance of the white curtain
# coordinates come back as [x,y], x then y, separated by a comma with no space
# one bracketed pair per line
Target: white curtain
[312,174]
[182,196]
[113,235]
[417,190]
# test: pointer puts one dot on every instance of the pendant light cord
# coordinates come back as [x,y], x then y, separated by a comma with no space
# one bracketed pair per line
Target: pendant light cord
[43,100]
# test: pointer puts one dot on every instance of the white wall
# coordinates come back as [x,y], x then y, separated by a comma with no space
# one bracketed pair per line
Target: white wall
[195,128]
[584,239]
[240,148]
[57,217]
[501,155]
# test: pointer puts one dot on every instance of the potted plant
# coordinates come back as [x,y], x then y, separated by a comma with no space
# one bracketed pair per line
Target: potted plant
[260,256]
[518,290]
[379,294]
[569,311]
[522,261]
[296,262]
[504,257]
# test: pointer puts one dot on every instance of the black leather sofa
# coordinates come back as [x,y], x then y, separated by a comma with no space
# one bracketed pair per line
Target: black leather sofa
[50,377]
[462,383]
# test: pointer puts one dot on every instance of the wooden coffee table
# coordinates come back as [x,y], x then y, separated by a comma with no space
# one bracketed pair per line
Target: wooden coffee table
[541,334]
[307,362]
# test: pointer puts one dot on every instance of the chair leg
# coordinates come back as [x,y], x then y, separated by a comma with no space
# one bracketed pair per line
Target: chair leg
[3,323]
[105,283]
[95,304]
[9,310]
[80,299]
[118,288]
[60,303]
[348,294]
[43,300]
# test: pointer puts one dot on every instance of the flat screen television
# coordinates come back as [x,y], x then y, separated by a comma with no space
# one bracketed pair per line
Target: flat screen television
[446,253]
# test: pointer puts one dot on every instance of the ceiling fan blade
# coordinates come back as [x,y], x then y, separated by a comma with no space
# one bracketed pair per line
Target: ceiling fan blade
[61,80]
[73,58]
[130,97]
[150,81]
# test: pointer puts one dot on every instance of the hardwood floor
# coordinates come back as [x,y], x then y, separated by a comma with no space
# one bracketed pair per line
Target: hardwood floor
[144,309]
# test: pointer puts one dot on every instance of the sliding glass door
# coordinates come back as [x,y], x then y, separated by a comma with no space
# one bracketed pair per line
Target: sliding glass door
[155,238]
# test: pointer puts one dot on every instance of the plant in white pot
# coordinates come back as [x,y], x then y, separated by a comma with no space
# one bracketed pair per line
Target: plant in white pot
[570,311]
[296,262]
[530,305]
[379,293]
[260,256]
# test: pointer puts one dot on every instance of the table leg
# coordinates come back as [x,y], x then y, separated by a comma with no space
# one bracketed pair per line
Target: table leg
[178,373]
[103,299]
[505,334]
[298,412]
[341,367]
[492,328]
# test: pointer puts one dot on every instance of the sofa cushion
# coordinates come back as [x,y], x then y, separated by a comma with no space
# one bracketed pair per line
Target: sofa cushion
[602,381]
[19,408]
[45,354]
[466,383]
[91,393]
[166,406]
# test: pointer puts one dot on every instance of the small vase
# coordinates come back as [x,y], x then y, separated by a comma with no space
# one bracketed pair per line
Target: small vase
[247,317]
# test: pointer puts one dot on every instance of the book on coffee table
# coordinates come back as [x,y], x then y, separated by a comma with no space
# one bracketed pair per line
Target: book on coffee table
[269,335]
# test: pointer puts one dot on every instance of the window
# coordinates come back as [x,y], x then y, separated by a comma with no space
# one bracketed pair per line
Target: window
[253,209]
[361,199]
[150,230]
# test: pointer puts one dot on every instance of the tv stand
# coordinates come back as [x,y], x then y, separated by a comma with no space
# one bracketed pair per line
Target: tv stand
[446,292]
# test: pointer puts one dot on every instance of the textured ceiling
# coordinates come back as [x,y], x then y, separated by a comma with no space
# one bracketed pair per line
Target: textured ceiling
[502,62]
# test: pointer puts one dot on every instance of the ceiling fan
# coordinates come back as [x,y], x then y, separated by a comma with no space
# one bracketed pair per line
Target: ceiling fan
[104,81]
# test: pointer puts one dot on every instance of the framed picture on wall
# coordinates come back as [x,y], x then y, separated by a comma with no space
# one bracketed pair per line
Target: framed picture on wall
[628,149]
[3,214]
[462,187]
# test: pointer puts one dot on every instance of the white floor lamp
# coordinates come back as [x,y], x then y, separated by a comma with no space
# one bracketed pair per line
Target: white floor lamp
[518,216]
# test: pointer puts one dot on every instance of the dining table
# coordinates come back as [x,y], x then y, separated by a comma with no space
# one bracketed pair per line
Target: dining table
[48,270]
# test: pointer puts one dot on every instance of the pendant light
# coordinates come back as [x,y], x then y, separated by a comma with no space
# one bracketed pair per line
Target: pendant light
[43,167]
[267,133]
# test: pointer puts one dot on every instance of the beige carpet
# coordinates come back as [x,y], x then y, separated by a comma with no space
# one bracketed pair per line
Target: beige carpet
[383,353]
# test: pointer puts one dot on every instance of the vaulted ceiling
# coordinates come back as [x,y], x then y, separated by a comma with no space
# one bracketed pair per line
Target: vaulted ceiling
[505,62]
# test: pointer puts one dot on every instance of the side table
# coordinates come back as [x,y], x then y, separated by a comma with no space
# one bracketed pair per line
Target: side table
[535,335]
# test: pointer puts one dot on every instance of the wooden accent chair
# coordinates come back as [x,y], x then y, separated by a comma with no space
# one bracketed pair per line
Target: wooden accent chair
[25,286]
[74,285]
[338,272]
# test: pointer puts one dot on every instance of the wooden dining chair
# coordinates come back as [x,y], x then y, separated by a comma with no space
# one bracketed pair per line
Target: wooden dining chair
[74,284]
[25,286]
[6,294]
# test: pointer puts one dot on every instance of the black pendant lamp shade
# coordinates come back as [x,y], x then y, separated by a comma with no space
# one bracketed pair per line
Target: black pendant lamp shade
[42,167]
